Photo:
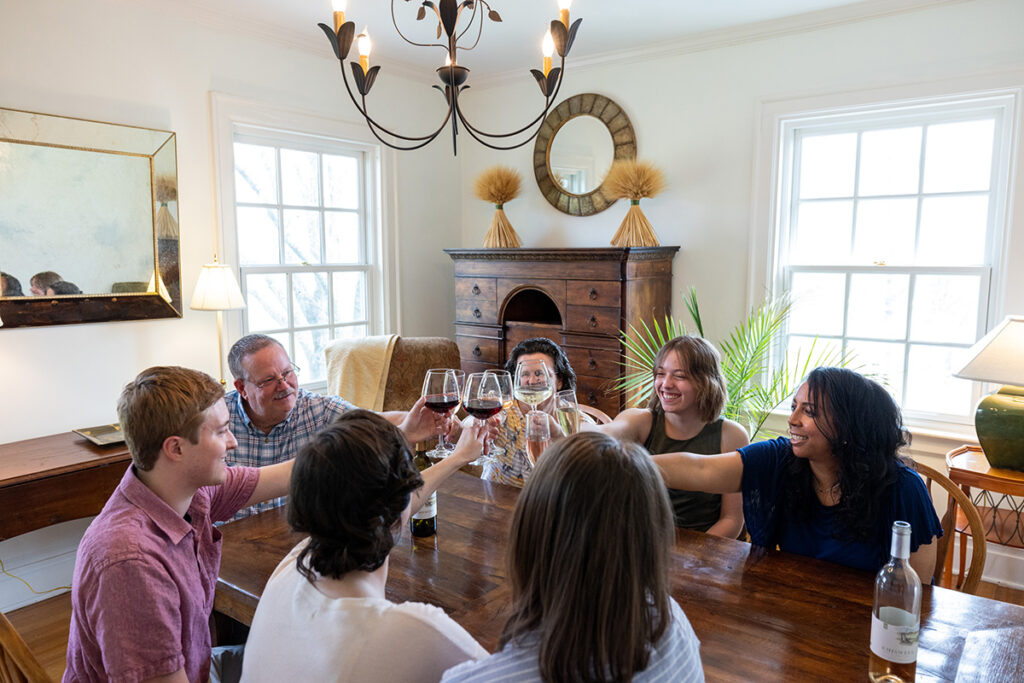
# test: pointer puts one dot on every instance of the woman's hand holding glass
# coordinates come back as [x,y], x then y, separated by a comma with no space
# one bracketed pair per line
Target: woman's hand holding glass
[442,393]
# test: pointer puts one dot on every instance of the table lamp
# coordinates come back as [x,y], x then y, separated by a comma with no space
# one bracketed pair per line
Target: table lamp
[999,357]
[217,290]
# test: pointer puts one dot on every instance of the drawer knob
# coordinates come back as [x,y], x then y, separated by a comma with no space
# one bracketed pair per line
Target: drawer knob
[593,321]
[476,351]
[593,294]
[592,364]
[476,313]
[476,289]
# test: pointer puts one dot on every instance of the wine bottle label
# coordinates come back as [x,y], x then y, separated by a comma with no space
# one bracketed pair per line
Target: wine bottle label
[429,508]
[896,638]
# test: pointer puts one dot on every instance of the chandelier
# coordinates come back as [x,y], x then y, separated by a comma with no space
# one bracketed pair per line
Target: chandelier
[449,14]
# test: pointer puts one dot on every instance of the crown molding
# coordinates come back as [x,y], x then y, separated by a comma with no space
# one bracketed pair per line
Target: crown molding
[747,33]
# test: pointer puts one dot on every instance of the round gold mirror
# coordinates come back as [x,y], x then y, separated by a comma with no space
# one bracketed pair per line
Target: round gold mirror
[576,145]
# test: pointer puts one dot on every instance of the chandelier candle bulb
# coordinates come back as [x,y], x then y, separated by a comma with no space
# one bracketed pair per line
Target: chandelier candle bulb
[547,49]
[563,11]
[339,13]
[365,45]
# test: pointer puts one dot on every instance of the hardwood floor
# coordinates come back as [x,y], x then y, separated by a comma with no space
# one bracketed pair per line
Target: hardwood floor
[44,625]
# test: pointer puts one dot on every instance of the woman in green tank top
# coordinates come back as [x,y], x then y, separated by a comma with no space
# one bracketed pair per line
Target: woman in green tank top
[684,414]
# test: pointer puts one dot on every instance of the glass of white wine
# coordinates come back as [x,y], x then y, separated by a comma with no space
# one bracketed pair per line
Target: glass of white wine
[534,382]
[567,411]
[538,434]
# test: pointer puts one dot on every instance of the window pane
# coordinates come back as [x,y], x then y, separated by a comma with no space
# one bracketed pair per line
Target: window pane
[342,235]
[285,340]
[953,231]
[266,301]
[300,181]
[301,236]
[882,361]
[827,164]
[878,306]
[822,233]
[350,331]
[817,303]
[309,355]
[958,156]
[257,236]
[890,161]
[945,309]
[255,174]
[310,298]
[885,230]
[349,297]
[931,386]
[799,349]
[341,182]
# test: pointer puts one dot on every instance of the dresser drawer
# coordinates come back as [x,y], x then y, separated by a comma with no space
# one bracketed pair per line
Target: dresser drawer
[478,349]
[476,311]
[594,293]
[593,391]
[593,319]
[595,362]
[479,288]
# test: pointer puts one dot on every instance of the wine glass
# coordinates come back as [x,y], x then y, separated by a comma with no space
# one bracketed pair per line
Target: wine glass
[442,391]
[483,400]
[538,434]
[534,382]
[567,411]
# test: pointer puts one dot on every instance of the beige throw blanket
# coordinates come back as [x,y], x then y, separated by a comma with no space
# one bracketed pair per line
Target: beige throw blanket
[357,369]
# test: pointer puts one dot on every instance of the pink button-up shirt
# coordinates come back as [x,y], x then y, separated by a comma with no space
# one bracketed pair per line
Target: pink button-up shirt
[144,580]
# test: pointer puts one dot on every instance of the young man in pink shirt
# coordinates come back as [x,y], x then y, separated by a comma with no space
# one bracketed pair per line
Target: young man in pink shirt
[147,566]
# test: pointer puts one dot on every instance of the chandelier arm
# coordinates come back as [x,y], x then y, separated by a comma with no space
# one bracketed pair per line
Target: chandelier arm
[361,108]
[480,135]
[394,22]
[426,141]
[480,26]
[547,107]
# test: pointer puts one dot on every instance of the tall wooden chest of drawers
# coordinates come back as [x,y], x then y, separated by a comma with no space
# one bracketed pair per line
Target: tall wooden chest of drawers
[578,298]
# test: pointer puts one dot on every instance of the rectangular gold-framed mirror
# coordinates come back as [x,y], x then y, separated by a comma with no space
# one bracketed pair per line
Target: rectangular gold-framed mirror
[88,221]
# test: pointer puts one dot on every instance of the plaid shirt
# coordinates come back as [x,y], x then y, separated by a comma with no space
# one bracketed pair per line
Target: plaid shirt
[312,412]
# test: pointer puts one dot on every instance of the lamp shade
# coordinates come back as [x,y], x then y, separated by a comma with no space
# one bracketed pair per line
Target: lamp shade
[216,289]
[999,355]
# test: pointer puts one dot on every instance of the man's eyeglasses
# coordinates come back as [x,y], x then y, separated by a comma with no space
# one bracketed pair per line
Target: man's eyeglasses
[285,377]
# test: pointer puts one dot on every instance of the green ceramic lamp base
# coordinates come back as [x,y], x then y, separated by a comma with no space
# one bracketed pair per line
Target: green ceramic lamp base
[999,422]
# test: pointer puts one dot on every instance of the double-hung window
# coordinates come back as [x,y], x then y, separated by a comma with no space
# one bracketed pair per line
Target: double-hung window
[306,225]
[889,228]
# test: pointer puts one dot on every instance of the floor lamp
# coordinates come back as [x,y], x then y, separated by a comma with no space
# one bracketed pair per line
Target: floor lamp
[217,290]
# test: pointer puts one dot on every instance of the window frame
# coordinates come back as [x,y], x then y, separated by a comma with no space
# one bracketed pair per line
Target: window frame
[775,182]
[236,119]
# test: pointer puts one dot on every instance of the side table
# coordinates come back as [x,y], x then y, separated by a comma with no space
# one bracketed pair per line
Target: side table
[999,499]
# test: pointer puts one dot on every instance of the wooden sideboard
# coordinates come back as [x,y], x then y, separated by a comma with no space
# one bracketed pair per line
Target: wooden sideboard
[55,479]
[578,298]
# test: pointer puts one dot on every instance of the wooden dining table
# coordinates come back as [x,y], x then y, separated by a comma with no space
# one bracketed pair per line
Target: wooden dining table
[760,615]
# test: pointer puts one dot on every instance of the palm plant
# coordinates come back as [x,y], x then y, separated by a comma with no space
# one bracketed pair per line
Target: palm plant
[755,387]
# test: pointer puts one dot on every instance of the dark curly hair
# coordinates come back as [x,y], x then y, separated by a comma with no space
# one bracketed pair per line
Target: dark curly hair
[865,430]
[349,487]
[563,370]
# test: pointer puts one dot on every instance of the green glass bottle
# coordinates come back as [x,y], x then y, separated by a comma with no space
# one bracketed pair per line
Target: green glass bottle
[424,522]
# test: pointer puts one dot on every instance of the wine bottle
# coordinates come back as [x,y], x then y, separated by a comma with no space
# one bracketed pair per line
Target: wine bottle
[896,617]
[424,522]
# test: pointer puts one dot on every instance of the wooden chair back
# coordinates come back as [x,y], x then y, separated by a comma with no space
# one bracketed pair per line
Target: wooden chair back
[599,416]
[967,581]
[17,663]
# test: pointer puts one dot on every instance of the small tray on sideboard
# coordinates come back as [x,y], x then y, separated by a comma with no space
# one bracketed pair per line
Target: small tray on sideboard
[103,435]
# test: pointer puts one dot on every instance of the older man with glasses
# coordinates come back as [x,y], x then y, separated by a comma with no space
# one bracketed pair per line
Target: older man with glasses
[272,418]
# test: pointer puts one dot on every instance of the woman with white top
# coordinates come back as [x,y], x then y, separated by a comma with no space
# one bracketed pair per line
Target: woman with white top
[588,571]
[323,615]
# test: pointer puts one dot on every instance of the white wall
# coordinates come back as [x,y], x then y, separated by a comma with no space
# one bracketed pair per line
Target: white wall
[132,63]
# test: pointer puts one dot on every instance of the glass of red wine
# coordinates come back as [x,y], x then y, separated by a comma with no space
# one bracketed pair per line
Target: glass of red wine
[442,391]
[483,399]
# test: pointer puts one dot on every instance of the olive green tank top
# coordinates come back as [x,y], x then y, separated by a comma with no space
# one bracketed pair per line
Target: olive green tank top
[692,509]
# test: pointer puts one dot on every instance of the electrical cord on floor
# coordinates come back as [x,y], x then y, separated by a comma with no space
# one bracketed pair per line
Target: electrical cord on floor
[3,570]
